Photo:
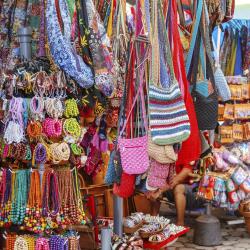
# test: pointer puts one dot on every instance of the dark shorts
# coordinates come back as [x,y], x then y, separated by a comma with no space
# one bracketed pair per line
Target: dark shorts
[193,203]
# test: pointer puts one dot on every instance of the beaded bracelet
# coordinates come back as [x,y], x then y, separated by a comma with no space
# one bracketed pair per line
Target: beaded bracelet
[21,244]
[54,107]
[77,150]
[71,127]
[59,152]
[37,107]
[52,127]
[41,154]
[34,129]
[42,244]
[71,108]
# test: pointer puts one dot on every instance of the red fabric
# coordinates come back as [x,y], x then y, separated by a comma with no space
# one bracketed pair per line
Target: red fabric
[191,148]
[126,187]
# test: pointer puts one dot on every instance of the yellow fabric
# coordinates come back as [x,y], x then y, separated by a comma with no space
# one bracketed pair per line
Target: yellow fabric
[110,21]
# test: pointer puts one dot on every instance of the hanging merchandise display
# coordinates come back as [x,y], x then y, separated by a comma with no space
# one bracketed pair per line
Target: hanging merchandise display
[234,52]
[118,98]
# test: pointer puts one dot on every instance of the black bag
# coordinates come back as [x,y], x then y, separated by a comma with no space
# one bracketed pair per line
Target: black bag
[206,108]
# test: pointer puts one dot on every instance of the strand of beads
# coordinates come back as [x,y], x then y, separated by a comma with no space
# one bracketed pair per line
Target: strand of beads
[34,130]
[52,127]
[77,150]
[72,128]
[33,219]
[42,244]
[60,152]
[14,133]
[10,241]
[50,195]
[30,241]
[41,154]
[20,197]
[37,107]
[54,107]
[71,108]
[21,244]
[58,243]
[73,243]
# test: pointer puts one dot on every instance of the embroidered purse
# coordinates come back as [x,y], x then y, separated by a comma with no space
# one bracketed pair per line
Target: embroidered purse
[168,118]
[63,53]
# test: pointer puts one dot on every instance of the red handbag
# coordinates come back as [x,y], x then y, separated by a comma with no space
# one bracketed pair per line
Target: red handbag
[191,148]
[126,187]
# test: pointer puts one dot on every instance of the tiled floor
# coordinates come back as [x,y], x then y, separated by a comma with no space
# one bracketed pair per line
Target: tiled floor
[233,238]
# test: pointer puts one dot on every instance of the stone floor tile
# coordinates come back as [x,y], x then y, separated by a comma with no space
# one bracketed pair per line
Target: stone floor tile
[200,247]
[177,244]
[229,242]
[237,233]
[224,248]
[183,239]
[233,238]
[172,248]
[242,245]
[241,229]
[245,240]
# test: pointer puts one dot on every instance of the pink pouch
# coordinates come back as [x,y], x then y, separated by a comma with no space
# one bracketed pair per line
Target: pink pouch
[158,174]
[134,155]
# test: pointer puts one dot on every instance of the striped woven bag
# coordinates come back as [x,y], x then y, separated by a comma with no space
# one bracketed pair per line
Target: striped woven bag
[168,118]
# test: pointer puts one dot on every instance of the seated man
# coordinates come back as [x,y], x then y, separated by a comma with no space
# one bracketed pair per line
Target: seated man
[178,191]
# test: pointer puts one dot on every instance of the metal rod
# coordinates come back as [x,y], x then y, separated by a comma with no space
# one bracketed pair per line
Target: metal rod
[25,35]
[118,215]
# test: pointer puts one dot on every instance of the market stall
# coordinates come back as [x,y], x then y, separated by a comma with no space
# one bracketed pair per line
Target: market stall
[100,100]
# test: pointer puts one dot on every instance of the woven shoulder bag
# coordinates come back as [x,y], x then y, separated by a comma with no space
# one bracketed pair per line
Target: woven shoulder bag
[168,118]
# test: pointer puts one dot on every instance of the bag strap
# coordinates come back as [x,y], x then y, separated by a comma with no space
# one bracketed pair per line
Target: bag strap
[217,48]
[194,34]
[167,43]
[181,13]
[139,92]
[155,59]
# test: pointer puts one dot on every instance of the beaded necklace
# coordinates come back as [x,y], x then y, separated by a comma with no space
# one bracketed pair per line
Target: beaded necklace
[72,128]
[19,200]
[37,107]
[33,209]
[50,194]
[78,196]
[73,243]
[54,107]
[10,241]
[52,127]
[30,241]
[59,152]
[58,243]
[21,244]
[34,130]
[71,108]
[68,205]
[42,244]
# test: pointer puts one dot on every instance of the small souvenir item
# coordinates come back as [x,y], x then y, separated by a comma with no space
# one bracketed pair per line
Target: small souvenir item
[223,197]
[233,197]
[245,186]
[241,194]
[205,181]
[219,185]
[229,157]
[239,176]
[209,195]
[230,185]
